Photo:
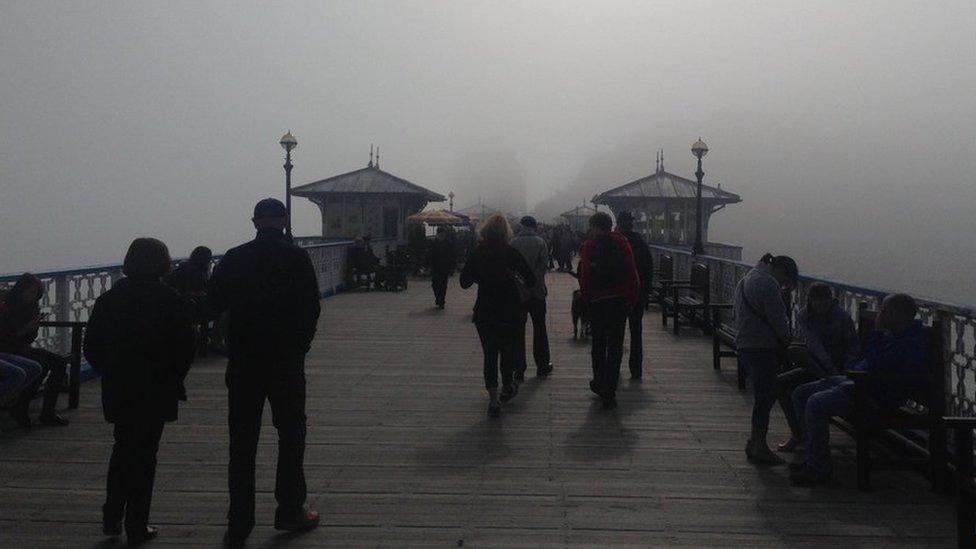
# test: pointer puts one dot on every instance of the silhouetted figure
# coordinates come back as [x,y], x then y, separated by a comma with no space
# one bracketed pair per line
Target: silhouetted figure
[762,336]
[897,347]
[610,286]
[563,247]
[536,253]
[140,339]
[441,260]
[498,269]
[20,317]
[644,262]
[269,287]
[191,279]
[826,345]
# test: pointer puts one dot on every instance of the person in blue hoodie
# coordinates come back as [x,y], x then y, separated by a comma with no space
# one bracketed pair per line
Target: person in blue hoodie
[897,346]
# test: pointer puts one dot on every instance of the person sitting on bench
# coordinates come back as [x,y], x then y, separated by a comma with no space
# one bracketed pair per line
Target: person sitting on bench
[897,346]
[20,317]
[16,373]
[826,345]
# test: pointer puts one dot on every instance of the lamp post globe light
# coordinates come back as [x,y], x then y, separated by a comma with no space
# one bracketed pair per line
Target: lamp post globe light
[451,196]
[288,142]
[699,149]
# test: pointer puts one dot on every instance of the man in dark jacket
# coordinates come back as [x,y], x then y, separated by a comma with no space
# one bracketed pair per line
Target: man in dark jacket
[441,260]
[642,257]
[610,286]
[269,288]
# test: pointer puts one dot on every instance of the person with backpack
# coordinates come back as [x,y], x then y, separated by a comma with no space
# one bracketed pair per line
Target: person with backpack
[762,336]
[536,253]
[642,257]
[610,286]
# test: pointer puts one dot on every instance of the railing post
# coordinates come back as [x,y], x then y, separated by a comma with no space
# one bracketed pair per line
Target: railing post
[62,308]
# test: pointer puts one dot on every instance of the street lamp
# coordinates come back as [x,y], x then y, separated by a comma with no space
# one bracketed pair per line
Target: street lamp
[288,142]
[699,149]
[451,196]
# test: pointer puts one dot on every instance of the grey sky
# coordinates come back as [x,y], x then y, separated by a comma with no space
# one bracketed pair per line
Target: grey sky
[849,128]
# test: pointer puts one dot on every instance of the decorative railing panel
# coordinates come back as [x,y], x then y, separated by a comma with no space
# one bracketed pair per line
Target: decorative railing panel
[960,322]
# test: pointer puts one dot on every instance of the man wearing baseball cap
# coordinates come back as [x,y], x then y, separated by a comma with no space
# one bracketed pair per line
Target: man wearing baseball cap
[268,287]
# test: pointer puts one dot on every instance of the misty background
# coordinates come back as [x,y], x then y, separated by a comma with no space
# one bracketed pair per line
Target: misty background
[848,128]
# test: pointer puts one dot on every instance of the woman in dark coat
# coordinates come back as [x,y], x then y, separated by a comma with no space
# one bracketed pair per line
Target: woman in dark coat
[140,339]
[498,269]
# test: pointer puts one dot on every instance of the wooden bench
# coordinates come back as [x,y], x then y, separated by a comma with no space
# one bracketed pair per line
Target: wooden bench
[723,342]
[660,279]
[965,483]
[690,303]
[917,429]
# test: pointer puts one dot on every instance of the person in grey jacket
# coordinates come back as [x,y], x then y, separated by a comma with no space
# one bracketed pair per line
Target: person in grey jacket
[762,334]
[536,253]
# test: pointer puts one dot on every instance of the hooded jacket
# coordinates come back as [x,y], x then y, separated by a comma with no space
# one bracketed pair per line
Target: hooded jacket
[536,253]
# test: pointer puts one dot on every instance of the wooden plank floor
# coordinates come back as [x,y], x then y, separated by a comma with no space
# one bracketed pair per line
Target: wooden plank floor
[400,452]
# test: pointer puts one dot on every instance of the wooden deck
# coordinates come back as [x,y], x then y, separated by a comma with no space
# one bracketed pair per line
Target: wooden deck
[400,452]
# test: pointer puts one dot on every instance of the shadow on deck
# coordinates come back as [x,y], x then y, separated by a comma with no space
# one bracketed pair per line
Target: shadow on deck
[400,452]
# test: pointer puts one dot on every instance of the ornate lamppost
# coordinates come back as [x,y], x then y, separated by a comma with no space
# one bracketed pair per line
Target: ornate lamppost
[288,142]
[699,149]
[451,196]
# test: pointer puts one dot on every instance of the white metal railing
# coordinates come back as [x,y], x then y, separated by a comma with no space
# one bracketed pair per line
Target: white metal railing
[960,321]
[70,294]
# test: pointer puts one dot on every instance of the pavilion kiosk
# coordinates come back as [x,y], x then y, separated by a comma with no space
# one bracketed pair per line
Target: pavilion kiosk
[578,218]
[663,205]
[368,202]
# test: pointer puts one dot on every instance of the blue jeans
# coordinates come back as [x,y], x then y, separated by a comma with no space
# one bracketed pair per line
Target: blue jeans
[16,373]
[815,403]
[763,366]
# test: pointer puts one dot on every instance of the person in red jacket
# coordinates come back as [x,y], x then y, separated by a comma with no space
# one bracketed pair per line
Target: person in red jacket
[610,286]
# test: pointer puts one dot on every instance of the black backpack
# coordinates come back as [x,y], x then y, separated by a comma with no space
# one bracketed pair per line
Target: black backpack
[608,263]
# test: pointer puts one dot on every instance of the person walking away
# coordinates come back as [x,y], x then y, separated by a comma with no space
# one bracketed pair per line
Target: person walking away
[495,267]
[20,317]
[269,288]
[827,346]
[535,251]
[763,333]
[610,286]
[645,269]
[191,279]
[441,260]
[140,340]
[897,349]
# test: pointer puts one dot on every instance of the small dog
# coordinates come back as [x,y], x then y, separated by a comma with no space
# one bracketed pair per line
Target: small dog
[581,313]
[581,316]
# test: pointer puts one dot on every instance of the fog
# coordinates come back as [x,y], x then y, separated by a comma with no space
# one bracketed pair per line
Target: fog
[848,128]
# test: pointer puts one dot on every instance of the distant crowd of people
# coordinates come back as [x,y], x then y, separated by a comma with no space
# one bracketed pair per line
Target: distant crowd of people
[142,338]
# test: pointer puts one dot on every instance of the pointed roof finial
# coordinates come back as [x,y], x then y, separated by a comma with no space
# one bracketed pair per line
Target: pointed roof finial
[662,160]
[657,161]
[370,165]
[377,157]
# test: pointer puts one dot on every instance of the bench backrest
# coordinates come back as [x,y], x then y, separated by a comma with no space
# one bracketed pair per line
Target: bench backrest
[700,282]
[932,397]
[667,267]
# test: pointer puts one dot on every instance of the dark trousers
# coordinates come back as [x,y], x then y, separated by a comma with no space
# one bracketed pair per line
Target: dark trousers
[282,383]
[786,383]
[438,281]
[762,366]
[635,319]
[535,308]
[498,345]
[608,319]
[55,367]
[131,474]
